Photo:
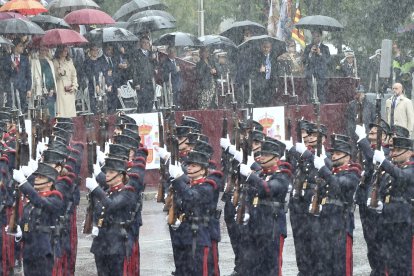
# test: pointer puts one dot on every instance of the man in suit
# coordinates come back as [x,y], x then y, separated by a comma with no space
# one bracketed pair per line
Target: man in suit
[171,67]
[17,70]
[265,75]
[108,64]
[399,109]
[316,59]
[142,66]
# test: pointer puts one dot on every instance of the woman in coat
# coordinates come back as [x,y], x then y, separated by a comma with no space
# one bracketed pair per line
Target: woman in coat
[66,82]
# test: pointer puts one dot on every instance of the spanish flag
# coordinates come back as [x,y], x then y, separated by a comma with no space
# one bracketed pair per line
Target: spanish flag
[297,34]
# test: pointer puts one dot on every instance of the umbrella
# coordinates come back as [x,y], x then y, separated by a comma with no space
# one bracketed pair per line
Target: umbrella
[60,8]
[8,15]
[56,37]
[5,41]
[319,22]
[150,23]
[20,26]
[88,17]
[146,13]
[25,7]
[217,42]
[253,45]
[48,22]
[178,39]
[126,10]
[236,31]
[119,24]
[110,34]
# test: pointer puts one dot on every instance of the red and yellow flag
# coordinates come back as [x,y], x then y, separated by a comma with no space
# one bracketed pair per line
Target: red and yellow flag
[297,34]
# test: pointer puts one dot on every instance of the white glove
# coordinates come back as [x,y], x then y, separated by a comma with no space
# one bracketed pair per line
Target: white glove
[175,171]
[378,208]
[318,162]
[250,161]
[300,147]
[360,132]
[33,165]
[379,157]
[18,233]
[246,217]
[91,183]
[310,208]
[100,156]
[46,140]
[162,152]
[288,143]
[96,169]
[40,147]
[95,231]
[106,150]
[176,224]
[232,149]
[238,156]
[18,176]
[245,170]
[225,143]
[27,171]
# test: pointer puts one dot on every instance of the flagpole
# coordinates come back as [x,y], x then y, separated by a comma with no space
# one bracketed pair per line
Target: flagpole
[201,18]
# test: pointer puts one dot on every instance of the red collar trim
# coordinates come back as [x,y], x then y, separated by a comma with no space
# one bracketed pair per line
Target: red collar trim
[271,170]
[341,168]
[50,193]
[408,163]
[198,181]
[117,187]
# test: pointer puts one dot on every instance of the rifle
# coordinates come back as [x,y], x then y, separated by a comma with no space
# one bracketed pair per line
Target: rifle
[360,122]
[377,172]
[173,142]
[224,153]
[315,198]
[103,130]
[299,177]
[163,171]
[234,183]
[37,133]
[91,150]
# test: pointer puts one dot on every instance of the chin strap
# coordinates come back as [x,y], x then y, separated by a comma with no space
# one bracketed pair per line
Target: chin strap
[113,177]
[268,160]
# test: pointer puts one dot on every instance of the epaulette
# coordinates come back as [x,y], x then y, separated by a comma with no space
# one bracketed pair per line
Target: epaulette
[71,175]
[65,178]
[132,164]
[5,159]
[143,150]
[129,188]
[356,165]
[69,168]
[211,182]
[134,175]
[52,193]
[71,149]
[286,164]
[216,172]
[71,158]
[140,158]
[286,171]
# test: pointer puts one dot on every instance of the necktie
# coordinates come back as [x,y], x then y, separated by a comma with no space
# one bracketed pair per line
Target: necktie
[17,61]
[110,62]
[393,104]
[268,67]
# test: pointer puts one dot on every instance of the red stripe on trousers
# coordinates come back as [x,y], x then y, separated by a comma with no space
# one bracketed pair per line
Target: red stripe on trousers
[215,258]
[205,262]
[281,243]
[73,243]
[349,256]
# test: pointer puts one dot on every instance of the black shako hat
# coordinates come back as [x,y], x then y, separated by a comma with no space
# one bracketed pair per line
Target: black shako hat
[400,131]
[339,137]
[258,135]
[63,120]
[270,147]
[132,127]
[203,147]
[193,137]
[118,151]
[245,125]
[196,157]
[59,146]
[313,128]
[341,145]
[402,143]
[304,124]
[47,171]
[192,122]
[131,133]
[53,157]
[115,164]
[383,125]
[65,126]
[122,119]
[282,146]
[183,131]
[5,116]
[126,141]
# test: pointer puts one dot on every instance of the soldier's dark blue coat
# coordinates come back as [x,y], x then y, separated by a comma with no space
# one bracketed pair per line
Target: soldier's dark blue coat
[396,193]
[40,217]
[267,224]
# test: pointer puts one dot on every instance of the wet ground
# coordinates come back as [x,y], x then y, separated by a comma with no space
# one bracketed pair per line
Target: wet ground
[156,253]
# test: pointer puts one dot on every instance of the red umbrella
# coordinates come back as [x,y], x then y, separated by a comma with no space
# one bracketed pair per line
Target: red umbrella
[25,7]
[56,37]
[8,15]
[88,17]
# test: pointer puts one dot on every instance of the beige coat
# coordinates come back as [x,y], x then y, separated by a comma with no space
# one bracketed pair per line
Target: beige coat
[403,113]
[65,76]
[37,76]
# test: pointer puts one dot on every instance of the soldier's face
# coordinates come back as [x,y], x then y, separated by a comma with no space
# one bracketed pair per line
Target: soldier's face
[256,146]
[42,183]
[113,177]
[268,160]
[195,171]
[182,143]
[339,158]
[400,155]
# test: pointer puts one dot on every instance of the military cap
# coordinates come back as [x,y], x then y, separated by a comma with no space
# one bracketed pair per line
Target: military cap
[124,119]
[65,126]
[402,143]
[46,171]
[196,157]
[66,135]
[59,146]
[133,127]
[183,131]
[118,151]
[5,116]
[282,146]
[126,141]
[193,137]
[204,147]
[304,124]
[78,146]
[63,120]
[258,135]
[131,133]
[383,125]
[115,164]
[270,147]
[53,157]
[341,145]
[191,122]
[400,131]
[312,128]
[340,137]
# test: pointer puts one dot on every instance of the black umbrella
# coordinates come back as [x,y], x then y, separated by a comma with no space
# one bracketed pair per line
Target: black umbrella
[319,22]
[254,44]
[19,26]
[60,8]
[48,22]
[146,13]
[128,9]
[217,42]
[150,23]
[178,39]
[110,34]
[119,24]
[236,31]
